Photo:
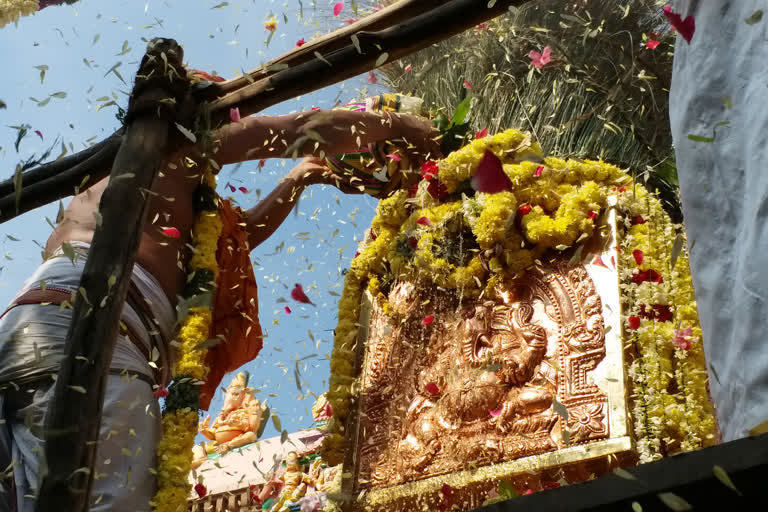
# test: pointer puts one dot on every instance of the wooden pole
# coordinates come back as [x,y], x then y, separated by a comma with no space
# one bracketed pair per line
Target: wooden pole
[72,422]
[273,83]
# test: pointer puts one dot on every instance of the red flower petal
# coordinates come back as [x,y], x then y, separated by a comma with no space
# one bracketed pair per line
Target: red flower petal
[651,44]
[160,392]
[234,115]
[490,176]
[638,220]
[432,388]
[423,221]
[592,214]
[394,156]
[467,84]
[539,60]
[372,78]
[350,21]
[300,42]
[243,190]
[408,69]
[262,163]
[437,190]
[481,133]
[685,27]
[231,187]
[428,320]
[171,232]
[429,170]
[337,7]
[598,260]
[633,322]
[638,255]
[481,27]
[287,310]
[412,191]
[413,242]
[446,490]
[495,412]
[373,235]
[39,134]
[357,253]
[201,490]
[524,209]
[538,172]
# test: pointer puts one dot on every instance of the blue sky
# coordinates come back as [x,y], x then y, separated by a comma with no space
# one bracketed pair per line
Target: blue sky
[79,43]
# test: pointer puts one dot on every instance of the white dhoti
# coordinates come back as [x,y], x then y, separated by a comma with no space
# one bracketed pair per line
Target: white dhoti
[32,340]
[719,90]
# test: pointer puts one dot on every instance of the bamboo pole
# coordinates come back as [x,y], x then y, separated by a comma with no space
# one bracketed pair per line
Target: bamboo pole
[337,48]
[72,422]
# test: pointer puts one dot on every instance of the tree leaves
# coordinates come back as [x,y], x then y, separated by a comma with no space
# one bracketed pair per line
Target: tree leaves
[42,68]
[755,17]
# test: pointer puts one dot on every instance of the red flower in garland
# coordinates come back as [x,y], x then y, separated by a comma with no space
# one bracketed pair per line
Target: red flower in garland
[481,133]
[658,312]
[423,221]
[490,177]
[447,497]
[683,338]
[160,392]
[432,388]
[437,190]
[524,209]
[638,220]
[633,322]
[429,170]
[638,255]
[647,275]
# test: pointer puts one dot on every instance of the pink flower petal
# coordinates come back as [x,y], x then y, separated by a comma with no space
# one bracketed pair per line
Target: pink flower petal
[467,84]
[423,221]
[481,133]
[538,171]
[372,78]
[234,115]
[231,187]
[539,60]
[337,7]
[592,214]
[495,412]
[432,388]
[490,176]
[300,42]
[39,134]
[243,190]
[408,69]
[350,21]
[171,232]
[428,320]
[651,44]
[160,392]
[287,310]
[394,156]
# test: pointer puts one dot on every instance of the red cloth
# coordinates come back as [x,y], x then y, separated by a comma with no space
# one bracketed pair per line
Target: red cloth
[235,304]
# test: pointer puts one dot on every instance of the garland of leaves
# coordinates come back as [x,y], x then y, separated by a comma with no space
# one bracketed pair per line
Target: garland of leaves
[180,416]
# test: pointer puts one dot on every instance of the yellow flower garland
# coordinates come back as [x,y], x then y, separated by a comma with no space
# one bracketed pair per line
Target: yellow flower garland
[563,199]
[174,452]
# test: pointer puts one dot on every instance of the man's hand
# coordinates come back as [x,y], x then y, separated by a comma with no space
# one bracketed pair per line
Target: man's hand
[314,171]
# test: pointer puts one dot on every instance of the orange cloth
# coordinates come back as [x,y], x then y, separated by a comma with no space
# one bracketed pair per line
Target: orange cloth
[235,304]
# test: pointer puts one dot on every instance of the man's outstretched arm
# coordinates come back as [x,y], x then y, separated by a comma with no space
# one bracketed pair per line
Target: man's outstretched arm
[310,133]
[264,218]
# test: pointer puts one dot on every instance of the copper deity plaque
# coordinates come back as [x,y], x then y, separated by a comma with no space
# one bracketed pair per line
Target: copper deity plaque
[525,383]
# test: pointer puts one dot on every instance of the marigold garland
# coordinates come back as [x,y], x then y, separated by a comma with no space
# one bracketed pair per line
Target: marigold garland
[552,205]
[180,417]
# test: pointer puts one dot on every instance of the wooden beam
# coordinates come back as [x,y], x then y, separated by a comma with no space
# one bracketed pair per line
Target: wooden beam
[72,422]
[434,21]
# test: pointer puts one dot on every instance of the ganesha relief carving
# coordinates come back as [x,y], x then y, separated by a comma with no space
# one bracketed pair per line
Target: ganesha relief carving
[488,381]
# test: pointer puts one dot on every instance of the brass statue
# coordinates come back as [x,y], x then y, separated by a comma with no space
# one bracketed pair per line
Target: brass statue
[240,421]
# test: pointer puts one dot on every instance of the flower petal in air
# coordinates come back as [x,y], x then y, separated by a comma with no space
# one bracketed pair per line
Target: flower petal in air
[685,27]
[300,42]
[39,134]
[394,156]
[171,232]
[538,172]
[337,7]
[428,320]
[481,133]
[234,115]
[490,176]
[408,69]
[423,221]
[467,84]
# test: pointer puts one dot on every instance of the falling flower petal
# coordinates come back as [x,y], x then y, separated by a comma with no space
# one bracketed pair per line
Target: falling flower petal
[171,232]
[481,27]
[538,172]
[490,176]
[287,310]
[160,392]
[592,214]
[337,7]
[271,24]
[298,295]
[495,412]
[39,134]
[262,163]
[300,42]
[428,320]
[408,69]
[372,78]
[683,338]
[685,27]
[432,388]
[243,190]
[638,255]
[350,21]
[651,44]
[200,490]
[231,187]
[524,209]
[633,322]
[423,221]
[234,115]
[481,133]
[637,220]
[413,243]
[467,84]
[394,156]
[539,60]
